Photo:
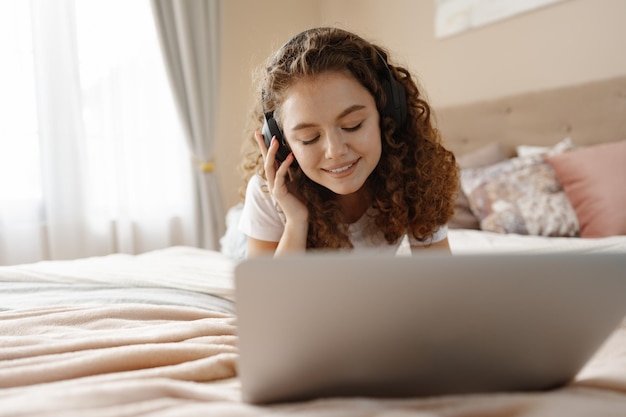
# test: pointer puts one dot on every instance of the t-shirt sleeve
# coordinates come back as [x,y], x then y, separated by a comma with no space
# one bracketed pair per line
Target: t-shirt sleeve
[440,234]
[260,217]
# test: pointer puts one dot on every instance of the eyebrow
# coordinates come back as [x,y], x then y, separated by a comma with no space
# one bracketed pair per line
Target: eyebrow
[351,109]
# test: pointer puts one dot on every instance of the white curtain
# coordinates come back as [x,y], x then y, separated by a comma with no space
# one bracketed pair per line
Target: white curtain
[92,155]
[189,34]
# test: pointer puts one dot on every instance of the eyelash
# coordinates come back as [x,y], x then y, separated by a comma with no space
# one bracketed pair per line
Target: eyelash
[347,129]
[353,128]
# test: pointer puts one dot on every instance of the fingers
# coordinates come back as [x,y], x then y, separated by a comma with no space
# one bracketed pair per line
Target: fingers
[280,184]
[283,169]
[269,155]
[261,142]
[277,173]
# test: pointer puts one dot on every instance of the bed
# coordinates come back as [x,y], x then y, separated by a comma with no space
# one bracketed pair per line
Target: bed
[155,334]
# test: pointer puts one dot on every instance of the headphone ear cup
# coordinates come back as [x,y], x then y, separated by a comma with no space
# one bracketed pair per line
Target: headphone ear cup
[396,106]
[400,92]
[396,100]
[271,129]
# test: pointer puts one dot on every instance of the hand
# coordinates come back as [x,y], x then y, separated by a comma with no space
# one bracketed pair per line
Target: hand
[278,182]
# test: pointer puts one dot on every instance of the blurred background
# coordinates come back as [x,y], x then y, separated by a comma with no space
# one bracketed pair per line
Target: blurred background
[94,148]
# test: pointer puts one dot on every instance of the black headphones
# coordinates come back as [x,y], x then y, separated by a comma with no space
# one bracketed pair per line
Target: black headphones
[396,108]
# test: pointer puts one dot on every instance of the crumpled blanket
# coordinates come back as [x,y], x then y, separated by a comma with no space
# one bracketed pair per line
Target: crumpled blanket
[164,360]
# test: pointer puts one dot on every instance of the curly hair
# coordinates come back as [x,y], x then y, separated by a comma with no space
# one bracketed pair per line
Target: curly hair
[416,179]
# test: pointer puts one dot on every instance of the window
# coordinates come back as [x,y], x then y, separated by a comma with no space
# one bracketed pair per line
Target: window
[92,156]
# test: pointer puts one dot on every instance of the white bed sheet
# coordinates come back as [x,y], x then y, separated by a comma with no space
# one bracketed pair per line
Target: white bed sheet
[468,241]
[177,267]
[162,350]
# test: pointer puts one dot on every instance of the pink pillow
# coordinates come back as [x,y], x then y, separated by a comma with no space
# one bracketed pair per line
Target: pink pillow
[594,180]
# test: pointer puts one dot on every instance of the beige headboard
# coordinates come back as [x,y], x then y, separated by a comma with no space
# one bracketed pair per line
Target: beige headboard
[589,114]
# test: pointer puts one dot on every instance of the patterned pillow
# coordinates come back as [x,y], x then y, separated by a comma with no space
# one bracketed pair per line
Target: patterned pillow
[521,195]
[463,217]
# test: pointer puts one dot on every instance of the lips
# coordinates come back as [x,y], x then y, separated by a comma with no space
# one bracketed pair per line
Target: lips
[343,169]
[338,170]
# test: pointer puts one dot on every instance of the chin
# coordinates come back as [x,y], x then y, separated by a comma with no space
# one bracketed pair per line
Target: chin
[346,190]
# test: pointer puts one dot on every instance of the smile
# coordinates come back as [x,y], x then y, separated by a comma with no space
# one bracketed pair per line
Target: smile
[338,170]
[342,170]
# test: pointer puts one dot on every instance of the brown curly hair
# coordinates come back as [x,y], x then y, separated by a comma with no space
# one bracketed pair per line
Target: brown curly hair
[414,184]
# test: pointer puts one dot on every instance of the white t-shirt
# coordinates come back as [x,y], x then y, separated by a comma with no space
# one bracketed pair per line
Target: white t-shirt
[261,219]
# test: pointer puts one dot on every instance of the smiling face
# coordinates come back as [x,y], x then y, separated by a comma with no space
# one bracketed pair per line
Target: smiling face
[331,124]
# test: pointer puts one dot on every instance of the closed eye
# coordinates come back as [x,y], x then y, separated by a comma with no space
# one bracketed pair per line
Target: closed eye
[353,128]
[310,142]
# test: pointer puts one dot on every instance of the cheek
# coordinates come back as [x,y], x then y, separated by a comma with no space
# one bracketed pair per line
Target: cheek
[306,165]
[306,160]
[375,142]
[298,154]
[373,145]
[304,155]
[379,151]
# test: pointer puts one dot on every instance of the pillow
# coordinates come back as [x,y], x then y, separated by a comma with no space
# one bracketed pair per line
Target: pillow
[527,150]
[593,179]
[463,217]
[234,243]
[521,195]
[487,155]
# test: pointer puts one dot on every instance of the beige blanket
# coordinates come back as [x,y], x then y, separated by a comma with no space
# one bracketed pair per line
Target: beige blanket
[147,360]
[141,336]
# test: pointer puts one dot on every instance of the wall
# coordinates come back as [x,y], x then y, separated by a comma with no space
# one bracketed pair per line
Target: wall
[568,43]
[251,31]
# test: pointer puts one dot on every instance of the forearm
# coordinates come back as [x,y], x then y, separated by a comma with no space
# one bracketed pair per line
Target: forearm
[293,239]
[443,246]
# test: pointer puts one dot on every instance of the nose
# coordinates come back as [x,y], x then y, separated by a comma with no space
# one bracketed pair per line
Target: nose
[336,145]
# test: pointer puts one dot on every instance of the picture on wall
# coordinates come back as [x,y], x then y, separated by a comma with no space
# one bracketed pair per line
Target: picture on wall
[456,16]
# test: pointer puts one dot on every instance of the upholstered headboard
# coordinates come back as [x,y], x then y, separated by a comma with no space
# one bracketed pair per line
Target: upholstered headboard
[589,114]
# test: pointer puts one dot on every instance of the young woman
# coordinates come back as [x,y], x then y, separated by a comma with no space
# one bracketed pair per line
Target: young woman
[343,153]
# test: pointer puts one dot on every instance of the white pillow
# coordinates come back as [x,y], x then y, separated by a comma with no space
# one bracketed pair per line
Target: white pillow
[528,150]
[234,243]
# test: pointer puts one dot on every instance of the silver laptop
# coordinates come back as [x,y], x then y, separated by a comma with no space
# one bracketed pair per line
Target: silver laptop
[364,325]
